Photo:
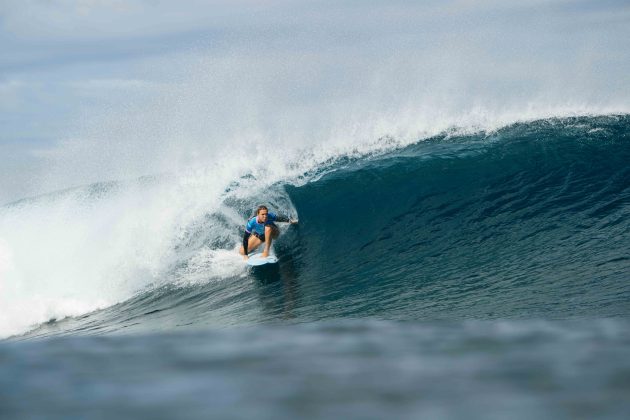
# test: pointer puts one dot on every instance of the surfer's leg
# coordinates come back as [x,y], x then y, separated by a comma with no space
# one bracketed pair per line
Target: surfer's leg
[271,232]
[252,244]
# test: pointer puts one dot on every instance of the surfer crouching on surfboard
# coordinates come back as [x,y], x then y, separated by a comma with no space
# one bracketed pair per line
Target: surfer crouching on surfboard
[261,228]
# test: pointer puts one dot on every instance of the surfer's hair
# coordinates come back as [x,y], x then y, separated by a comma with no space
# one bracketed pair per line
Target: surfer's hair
[261,208]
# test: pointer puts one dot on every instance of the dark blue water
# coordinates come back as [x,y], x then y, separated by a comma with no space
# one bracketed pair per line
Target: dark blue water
[338,369]
[465,276]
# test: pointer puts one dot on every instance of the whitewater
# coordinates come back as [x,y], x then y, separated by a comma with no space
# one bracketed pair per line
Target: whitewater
[460,175]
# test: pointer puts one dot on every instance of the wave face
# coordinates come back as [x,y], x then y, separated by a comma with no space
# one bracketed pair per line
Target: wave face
[529,221]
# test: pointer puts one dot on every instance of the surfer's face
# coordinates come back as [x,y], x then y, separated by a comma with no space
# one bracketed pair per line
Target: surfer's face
[262,216]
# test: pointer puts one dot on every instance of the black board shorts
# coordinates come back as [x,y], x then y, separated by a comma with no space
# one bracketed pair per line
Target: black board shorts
[262,237]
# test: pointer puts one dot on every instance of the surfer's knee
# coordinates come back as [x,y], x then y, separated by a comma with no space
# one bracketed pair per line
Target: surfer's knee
[252,244]
[272,232]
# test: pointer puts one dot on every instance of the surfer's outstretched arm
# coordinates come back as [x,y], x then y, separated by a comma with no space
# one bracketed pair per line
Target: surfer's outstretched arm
[284,219]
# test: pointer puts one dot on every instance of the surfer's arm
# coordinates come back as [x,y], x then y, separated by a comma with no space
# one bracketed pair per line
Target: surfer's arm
[283,219]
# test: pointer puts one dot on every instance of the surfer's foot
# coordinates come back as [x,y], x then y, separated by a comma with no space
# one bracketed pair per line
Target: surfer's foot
[245,257]
[265,254]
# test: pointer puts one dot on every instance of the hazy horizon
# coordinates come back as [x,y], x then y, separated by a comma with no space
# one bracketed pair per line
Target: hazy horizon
[104,90]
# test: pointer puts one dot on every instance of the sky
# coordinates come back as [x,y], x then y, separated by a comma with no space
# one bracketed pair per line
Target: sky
[97,90]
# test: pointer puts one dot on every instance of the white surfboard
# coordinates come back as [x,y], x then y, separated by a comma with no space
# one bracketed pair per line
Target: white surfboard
[257,259]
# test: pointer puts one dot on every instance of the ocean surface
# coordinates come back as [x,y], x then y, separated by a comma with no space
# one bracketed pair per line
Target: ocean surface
[472,274]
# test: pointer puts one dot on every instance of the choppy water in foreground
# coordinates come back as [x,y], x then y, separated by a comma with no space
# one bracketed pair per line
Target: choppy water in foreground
[349,369]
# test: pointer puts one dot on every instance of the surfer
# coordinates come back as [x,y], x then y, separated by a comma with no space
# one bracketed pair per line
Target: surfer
[261,228]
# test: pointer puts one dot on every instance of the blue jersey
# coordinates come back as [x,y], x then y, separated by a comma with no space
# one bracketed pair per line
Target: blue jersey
[259,228]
